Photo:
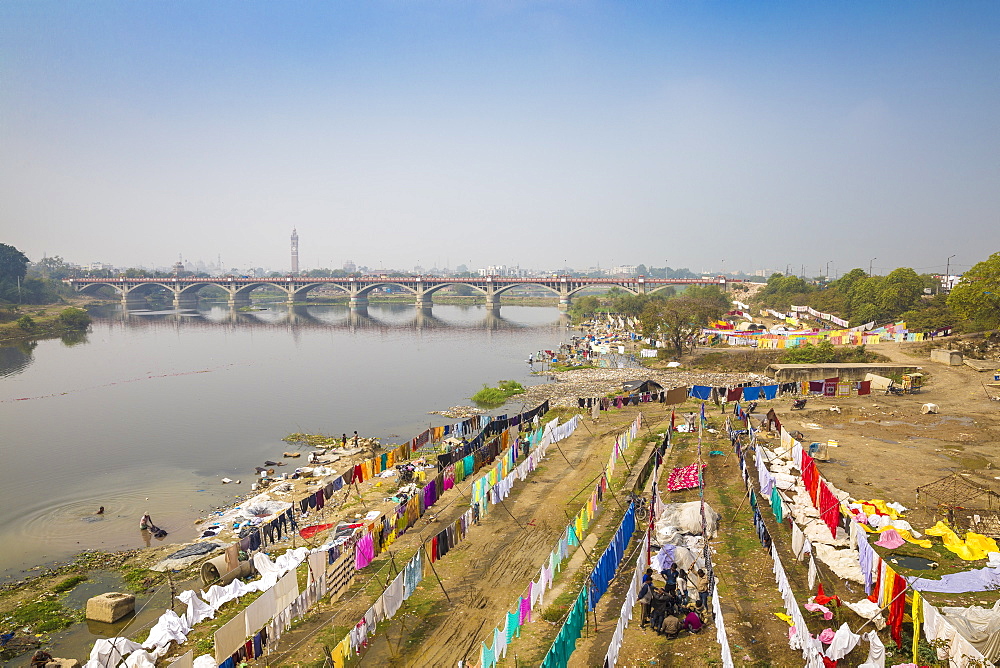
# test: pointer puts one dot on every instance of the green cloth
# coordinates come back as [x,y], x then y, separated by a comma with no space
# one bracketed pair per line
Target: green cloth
[565,642]
[776,504]
[513,625]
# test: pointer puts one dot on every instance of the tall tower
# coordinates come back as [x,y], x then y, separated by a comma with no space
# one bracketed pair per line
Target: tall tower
[295,251]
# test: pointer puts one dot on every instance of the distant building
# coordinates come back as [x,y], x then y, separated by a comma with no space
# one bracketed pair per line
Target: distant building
[503,270]
[350,267]
[295,251]
[623,270]
[98,266]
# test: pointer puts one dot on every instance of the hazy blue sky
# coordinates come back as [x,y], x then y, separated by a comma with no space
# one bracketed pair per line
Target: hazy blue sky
[506,132]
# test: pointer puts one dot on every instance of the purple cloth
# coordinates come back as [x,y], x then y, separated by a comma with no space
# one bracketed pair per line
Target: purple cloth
[983,579]
[526,606]
[866,558]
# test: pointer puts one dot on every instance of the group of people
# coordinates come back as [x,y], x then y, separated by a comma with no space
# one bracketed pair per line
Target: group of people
[668,609]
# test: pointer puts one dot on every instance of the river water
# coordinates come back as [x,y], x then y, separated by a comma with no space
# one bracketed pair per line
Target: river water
[149,411]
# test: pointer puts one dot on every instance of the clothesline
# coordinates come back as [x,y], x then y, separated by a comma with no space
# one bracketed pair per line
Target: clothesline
[571,536]
[888,590]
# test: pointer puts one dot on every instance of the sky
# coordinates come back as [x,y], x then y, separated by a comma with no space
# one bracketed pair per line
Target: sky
[709,135]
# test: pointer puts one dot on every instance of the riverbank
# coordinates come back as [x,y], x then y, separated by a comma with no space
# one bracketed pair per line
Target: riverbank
[32,323]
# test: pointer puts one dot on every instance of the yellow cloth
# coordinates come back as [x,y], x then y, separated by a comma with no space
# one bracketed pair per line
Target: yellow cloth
[917,615]
[340,653]
[785,618]
[869,508]
[974,547]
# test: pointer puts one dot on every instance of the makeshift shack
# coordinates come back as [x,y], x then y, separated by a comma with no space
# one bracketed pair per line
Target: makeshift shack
[965,505]
[641,387]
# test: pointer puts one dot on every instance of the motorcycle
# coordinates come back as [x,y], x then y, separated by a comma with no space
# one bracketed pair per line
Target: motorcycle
[799,404]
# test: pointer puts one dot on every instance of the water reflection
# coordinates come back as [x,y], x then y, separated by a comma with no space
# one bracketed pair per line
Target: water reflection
[375,317]
[15,358]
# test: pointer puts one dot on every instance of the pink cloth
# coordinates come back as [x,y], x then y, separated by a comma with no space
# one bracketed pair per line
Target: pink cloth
[826,636]
[685,477]
[526,606]
[891,539]
[816,607]
[364,552]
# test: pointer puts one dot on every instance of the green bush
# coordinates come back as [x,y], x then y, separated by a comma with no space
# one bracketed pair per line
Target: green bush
[26,323]
[74,318]
[497,396]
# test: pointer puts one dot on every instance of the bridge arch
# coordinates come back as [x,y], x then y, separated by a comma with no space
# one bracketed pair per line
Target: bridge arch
[301,293]
[508,288]
[610,286]
[367,290]
[434,288]
[662,287]
[242,293]
[93,288]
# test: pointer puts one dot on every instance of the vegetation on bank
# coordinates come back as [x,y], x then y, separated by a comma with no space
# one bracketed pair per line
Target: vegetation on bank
[903,294]
[497,396]
[71,323]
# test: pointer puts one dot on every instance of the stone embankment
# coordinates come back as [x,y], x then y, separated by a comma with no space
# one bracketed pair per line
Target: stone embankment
[564,387]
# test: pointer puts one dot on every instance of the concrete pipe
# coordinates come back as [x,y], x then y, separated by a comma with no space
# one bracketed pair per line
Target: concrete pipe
[215,571]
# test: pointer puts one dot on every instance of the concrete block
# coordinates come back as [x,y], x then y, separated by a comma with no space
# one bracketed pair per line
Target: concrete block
[949,357]
[110,607]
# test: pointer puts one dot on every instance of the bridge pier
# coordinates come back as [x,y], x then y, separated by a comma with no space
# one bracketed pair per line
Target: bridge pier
[360,303]
[424,301]
[493,304]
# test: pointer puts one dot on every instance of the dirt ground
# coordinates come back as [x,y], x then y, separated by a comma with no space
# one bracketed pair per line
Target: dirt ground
[887,449]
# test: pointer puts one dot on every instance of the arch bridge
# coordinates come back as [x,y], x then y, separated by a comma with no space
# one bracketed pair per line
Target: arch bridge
[133,291]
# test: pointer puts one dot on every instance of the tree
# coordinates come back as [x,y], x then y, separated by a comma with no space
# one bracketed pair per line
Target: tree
[930,315]
[977,296]
[55,268]
[74,318]
[679,318]
[900,290]
[13,264]
[641,270]
[583,308]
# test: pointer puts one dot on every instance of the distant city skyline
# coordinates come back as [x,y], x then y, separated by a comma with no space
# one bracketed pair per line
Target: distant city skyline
[714,136]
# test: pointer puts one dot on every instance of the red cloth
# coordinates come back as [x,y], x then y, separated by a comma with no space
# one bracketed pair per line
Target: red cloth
[684,477]
[829,507]
[310,531]
[734,394]
[810,477]
[865,387]
[434,549]
[359,473]
[829,663]
[896,608]
[874,597]
[821,597]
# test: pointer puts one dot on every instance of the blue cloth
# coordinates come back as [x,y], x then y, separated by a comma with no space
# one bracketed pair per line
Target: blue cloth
[751,393]
[607,565]
[770,391]
[702,392]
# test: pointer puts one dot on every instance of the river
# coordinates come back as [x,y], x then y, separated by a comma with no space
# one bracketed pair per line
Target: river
[150,410]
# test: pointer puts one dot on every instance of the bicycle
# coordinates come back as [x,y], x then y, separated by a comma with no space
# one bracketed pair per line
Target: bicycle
[641,506]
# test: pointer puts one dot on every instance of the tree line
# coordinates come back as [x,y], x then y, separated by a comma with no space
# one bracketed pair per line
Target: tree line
[903,294]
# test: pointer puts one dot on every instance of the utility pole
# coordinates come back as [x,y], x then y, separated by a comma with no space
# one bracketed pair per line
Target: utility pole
[827,274]
[947,270]
[870,265]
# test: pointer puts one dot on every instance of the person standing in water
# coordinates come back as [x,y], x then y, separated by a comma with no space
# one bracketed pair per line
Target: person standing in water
[146,522]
